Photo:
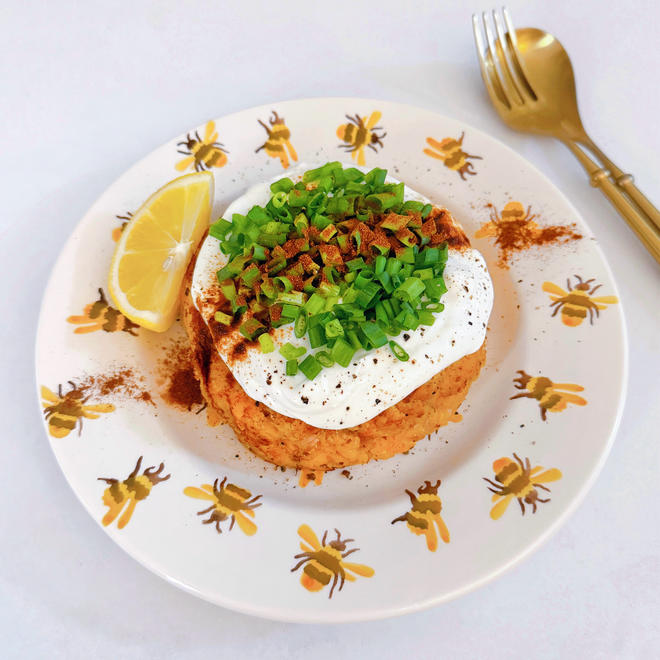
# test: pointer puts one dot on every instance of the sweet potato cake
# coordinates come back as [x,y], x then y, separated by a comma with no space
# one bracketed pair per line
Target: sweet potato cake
[293,443]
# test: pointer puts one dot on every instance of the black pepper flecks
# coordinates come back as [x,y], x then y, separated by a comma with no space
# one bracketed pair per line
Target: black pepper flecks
[269,379]
[375,360]
[406,336]
[304,399]
[337,386]
[377,401]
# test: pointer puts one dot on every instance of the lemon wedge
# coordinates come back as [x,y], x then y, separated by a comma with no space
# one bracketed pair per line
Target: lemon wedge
[155,249]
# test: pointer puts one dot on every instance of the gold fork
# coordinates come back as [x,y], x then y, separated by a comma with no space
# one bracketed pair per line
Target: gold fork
[530,82]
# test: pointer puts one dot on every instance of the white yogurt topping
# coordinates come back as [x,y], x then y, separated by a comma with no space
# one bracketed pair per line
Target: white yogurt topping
[340,397]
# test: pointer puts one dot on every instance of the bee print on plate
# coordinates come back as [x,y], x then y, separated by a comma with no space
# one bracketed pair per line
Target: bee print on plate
[65,411]
[227,501]
[324,561]
[577,301]
[516,230]
[279,140]
[548,394]
[310,476]
[450,152]
[424,515]
[514,218]
[203,153]
[124,220]
[100,315]
[520,480]
[358,134]
[127,493]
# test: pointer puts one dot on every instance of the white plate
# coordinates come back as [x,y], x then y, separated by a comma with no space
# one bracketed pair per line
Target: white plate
[252,573]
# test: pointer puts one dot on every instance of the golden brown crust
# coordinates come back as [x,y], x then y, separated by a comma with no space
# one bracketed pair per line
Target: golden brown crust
[293,443]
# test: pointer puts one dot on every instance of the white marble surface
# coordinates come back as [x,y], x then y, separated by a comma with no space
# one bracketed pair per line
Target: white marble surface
[88,88]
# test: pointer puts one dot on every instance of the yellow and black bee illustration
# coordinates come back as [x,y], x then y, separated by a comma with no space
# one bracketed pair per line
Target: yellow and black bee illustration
[310,476]
[127,493]
[203,153]
[66,411]
[99,315]
[519,480]
[279,140]
[424,516]
[547,393]
[450,152]
[577,301]
[117,231]
[358,134]
[325,562]
[513,212]
[229,501]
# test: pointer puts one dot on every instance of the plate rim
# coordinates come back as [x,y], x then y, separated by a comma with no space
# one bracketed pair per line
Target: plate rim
[292,615]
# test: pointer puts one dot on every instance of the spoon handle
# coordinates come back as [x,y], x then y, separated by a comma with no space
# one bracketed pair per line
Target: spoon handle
[646,231]
[626,182]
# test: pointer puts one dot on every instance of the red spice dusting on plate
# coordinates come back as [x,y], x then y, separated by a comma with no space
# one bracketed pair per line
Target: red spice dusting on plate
[180,385]
[119,382]
[516,231]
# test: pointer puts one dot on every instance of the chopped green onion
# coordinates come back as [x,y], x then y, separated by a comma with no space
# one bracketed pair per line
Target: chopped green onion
[258,252]
[291,297]
[374,334]
[252,328]
[220,228]
[266,343]
[379,264]
[282,284]
[324,358]
[315,304]
[311,367]
[386,282]
[290,311]
[398,351]
[316,336]
[278,199]
[367,294]
[352,336]
[393,266]
[412,287]
[355,264]
[291,367]
[282,185]
[425,317]
[342,353]
[435,288]
[364,278]
[223,318]
[300,324]
[290,352]
[412,207]
[333,328]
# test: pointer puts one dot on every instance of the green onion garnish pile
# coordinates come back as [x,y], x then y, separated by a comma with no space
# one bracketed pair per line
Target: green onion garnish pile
[340,255]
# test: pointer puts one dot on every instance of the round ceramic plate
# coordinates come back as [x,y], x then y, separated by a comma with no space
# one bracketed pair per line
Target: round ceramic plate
[536,428]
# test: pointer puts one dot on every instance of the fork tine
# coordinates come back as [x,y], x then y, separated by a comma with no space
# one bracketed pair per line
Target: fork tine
[492,83]
[518,63]
[497,55]
[504,53]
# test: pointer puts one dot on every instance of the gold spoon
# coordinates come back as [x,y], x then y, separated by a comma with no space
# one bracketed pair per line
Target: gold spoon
[530,80]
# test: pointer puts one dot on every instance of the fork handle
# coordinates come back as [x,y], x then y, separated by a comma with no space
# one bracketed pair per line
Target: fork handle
[646,231]
[626,182]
